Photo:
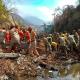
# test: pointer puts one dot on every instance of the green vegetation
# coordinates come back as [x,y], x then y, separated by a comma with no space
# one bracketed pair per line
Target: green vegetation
[6,17]
[4,14]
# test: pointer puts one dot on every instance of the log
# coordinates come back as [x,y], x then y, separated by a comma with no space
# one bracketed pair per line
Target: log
[9,55]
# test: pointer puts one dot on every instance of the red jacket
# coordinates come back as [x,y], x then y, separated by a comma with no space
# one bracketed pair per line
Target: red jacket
[28,36]
[7,37]
[21,34]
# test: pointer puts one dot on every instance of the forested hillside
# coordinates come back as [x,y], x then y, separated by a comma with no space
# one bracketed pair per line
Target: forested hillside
[68,20]
[9,17]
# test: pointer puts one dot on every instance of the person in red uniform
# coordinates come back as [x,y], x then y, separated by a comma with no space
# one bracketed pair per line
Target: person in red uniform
[21,34]
[33,50]
[8,40]
[25,44]
[28,38]
[7,37]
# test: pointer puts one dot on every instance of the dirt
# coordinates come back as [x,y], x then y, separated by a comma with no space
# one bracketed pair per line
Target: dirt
[26,65]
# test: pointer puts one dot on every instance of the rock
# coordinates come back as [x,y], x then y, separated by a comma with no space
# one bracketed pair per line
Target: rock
[4,77]
[47,67]
[38,67]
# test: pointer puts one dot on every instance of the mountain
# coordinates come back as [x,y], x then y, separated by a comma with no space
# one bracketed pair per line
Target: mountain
[34,20]
[18,19]
[36,23]
[29,20]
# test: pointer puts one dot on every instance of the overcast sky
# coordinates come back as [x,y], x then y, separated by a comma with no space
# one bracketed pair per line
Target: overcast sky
[42,9]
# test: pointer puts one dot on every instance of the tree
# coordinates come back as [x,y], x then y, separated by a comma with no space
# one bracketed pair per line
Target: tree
[68,20]
[4,15]
[79,2]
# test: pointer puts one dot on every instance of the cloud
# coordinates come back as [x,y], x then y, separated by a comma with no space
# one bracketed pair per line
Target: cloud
[41,12]
[66,2]
[25,10]
[46,12]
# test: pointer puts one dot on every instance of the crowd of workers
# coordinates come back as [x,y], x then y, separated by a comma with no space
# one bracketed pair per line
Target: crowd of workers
[63,42]
[15,39]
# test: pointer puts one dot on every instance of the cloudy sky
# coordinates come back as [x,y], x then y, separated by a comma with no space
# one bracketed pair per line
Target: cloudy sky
[42,9]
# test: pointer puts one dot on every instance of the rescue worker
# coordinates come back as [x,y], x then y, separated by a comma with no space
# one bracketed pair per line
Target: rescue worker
[76,37]
[62,44]
[8,40]
[49,39]
[79,37]
[33,46]
[28,40]
[72,42]
[15,39]
[46,44]
[21,34]
[54,46]
[2,40]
